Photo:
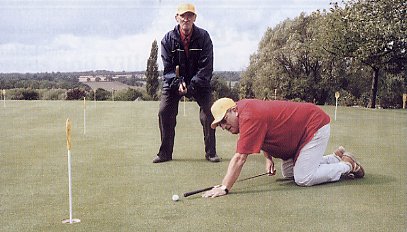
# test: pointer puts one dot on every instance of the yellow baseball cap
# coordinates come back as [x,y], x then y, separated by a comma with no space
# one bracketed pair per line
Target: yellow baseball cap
[185,7]
[219,109]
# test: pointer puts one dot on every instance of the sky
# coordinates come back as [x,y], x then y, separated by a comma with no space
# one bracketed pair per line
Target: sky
[116,35]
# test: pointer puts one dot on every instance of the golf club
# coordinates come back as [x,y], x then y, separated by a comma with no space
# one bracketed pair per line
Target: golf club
[187,194]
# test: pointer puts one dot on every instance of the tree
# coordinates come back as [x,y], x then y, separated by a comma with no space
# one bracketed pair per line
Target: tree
[128,95]
[291,60]
[30,94]
[247,80]
[221,89]
[75,94]
[373,33]
[102,94]
[152,72]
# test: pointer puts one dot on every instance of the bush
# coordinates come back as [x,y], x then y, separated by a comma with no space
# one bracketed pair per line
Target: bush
[102,95]
[128,95]
[221,89]
[75,94]
[52,94]
[391,92]
[30,94]
[22,94]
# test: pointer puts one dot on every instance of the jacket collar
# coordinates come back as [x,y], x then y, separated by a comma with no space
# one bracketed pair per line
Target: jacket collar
[195,32]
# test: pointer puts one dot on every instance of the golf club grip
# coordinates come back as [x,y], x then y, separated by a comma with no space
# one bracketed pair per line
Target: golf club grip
[197,191]
[177,71]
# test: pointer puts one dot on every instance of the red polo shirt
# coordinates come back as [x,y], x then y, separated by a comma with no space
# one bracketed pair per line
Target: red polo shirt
[280,128]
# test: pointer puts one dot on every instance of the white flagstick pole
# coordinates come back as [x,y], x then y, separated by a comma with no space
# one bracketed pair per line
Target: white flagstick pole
[84,115]
[94,96]
[336,102]
[70,186]
[4,98]
[184,106]
[177,76]
[68,146]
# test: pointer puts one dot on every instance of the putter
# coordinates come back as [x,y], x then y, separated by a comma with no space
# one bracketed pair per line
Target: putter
[187,194]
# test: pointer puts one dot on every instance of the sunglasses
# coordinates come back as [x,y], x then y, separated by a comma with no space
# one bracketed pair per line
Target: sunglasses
[223,121]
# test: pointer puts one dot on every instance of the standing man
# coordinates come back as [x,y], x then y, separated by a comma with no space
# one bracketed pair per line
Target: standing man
[190,48]
[297,133]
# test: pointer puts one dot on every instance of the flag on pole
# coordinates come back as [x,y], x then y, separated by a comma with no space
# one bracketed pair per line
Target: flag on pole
[337,94]
[68,146]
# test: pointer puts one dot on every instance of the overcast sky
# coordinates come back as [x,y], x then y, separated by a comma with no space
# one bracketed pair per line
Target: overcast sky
[116,35]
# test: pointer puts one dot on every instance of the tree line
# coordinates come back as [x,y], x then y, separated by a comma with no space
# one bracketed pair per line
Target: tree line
[357,48]
[66,85]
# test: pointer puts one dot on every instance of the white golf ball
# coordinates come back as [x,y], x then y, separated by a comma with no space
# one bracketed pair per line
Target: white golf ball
[175,197]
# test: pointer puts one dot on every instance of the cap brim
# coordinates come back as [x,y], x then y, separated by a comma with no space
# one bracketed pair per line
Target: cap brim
[183,12]
[216,121]
[214,125]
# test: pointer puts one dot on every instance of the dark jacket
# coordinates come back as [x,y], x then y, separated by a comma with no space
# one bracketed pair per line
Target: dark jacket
[197,68]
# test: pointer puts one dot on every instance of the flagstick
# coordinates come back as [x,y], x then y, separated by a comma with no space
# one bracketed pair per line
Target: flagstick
[94,97]
[184,106]
[337,94]
[336,107]
[84,115]
[4,98]
[70,186]
[68,146]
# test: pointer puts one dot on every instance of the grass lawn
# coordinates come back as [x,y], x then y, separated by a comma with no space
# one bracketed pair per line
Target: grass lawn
[116,187]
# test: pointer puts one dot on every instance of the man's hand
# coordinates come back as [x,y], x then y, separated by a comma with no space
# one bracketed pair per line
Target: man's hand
[192,89]
[269,164]
[182,88]
[217,191]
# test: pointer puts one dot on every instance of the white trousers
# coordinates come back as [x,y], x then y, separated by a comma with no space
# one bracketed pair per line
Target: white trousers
[312,167]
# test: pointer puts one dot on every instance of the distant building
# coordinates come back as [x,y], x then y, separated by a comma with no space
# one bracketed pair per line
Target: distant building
[128,76]
[92,78]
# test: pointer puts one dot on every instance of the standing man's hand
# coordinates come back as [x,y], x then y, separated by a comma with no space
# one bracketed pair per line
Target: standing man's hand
[182,89]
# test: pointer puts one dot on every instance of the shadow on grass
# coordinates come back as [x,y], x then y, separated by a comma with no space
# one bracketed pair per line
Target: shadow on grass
[281,184]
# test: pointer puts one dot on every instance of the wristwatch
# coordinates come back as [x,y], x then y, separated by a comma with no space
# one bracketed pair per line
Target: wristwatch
[224,188]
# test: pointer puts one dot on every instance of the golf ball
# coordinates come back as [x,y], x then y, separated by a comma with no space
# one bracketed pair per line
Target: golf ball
[175,197]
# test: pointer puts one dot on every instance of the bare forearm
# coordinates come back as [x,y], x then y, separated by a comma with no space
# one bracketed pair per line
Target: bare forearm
[233,172]
[234,169]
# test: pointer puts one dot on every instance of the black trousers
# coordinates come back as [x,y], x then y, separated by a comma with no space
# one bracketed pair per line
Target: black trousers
[167,116]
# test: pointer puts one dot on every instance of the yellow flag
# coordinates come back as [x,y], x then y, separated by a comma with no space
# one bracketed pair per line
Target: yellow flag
[68,134]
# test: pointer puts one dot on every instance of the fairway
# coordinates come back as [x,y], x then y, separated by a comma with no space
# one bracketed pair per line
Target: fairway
[116,187]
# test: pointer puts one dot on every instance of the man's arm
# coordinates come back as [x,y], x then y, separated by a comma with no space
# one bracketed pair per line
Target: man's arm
[205,64]
[167,58]
[233,172]
[269,164]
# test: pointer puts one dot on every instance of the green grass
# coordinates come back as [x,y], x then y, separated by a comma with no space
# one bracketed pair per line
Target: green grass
[116,187]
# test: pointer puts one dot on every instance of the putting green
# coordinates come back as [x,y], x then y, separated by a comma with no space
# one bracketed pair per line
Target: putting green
[116,187]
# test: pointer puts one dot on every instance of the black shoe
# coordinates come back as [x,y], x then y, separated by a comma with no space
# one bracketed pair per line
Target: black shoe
[212,158]
[160,159]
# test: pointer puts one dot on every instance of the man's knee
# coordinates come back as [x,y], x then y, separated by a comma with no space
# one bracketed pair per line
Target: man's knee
[304,181]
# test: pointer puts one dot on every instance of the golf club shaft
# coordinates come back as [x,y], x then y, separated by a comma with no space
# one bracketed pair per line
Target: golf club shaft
[209,188]
[197,191]
[248,178]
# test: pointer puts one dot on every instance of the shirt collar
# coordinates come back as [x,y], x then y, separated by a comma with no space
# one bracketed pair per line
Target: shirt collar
[183,35]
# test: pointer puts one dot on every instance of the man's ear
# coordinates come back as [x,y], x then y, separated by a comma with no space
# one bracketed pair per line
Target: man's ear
[234,109]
